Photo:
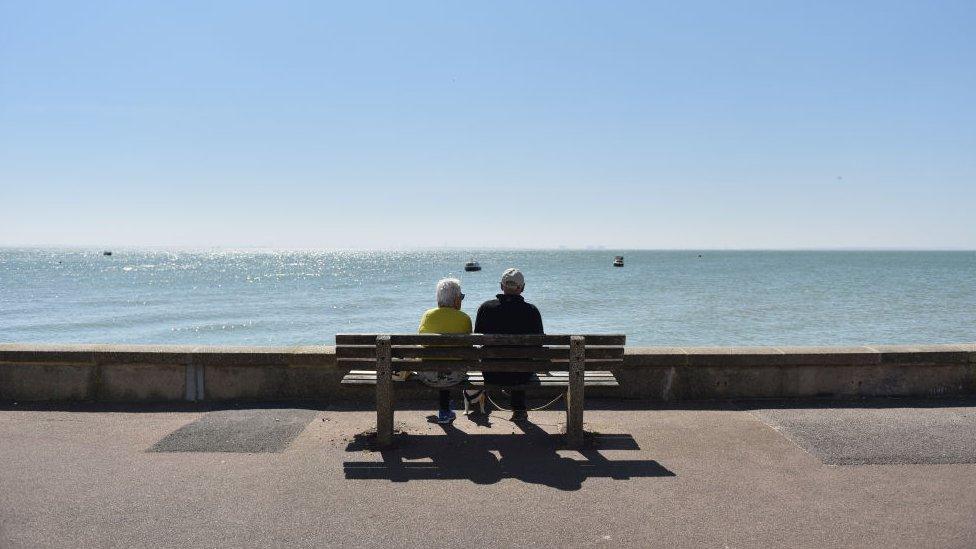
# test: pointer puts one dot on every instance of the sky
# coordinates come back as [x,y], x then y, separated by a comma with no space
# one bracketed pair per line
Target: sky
[497,124]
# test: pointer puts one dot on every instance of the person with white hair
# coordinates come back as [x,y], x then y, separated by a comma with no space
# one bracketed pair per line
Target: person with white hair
[447,318]
[509,313]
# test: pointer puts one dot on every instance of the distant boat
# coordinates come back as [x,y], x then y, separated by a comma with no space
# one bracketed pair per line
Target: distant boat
[618,261]
[107,252]
[472,266]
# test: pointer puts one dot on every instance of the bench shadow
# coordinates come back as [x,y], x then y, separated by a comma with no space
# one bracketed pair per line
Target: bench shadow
[486,459]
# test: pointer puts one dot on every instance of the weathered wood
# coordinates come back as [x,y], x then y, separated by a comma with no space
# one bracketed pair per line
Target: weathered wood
[475,379]
[499,365]
[366,363]
[480,339]
[574,394]
[590,376]
[456,365]
[480,383]
[474,353]
[553,373]
[355,351]
[384,393]
[556,365]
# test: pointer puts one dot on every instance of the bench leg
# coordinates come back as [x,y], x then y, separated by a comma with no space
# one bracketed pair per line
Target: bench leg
[574,394]
[384,393]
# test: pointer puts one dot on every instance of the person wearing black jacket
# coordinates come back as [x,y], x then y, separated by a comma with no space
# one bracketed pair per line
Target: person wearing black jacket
[508,313]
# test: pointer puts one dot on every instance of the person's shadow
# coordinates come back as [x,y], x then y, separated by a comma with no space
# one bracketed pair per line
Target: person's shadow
[531,457]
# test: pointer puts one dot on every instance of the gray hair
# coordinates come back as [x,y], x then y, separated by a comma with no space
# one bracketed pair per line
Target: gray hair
[448,290]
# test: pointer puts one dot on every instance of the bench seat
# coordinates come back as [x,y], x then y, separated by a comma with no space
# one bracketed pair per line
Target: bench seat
[557,379]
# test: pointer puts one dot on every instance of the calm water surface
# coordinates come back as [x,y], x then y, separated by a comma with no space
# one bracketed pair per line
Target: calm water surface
[659,298]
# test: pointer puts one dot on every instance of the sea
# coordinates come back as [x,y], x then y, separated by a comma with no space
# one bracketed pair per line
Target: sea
[305,297]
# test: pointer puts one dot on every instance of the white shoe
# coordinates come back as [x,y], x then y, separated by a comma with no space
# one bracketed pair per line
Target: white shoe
[472,397]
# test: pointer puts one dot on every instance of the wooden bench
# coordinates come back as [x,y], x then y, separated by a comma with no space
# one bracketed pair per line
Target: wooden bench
[557,361]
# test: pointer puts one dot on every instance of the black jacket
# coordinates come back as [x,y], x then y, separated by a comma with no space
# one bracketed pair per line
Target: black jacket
[508,314]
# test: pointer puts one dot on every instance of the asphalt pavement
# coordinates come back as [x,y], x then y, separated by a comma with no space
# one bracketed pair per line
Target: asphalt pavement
[868,474]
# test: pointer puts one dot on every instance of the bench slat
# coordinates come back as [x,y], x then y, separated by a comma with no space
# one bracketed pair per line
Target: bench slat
[481,339]
[465,365]
[554,373]
[475,373]
[553,379]
[473,353]
[546,384]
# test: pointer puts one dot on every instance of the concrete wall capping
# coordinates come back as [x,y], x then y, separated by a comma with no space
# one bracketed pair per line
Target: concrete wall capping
[191,372]
[833,356]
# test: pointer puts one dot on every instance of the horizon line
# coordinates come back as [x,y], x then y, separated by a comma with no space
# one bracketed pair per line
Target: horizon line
[101,248]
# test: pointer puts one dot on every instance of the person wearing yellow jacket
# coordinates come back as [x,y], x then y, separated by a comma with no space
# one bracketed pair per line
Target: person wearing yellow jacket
[446,318]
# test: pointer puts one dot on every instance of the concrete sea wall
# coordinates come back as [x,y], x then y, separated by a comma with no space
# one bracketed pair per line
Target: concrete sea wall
[139,373]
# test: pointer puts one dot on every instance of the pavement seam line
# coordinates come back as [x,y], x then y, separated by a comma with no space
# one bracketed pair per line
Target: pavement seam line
[788,438]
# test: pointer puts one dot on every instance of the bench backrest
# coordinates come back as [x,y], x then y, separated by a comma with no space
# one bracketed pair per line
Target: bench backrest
[535,352]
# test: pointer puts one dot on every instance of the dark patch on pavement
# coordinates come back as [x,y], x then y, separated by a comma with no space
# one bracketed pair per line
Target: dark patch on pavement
[243,431]
[873,435]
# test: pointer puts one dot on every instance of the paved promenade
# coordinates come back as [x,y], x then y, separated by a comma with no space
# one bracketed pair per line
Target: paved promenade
[879,474]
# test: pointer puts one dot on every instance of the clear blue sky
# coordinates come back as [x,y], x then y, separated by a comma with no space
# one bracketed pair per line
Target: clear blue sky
[411,124]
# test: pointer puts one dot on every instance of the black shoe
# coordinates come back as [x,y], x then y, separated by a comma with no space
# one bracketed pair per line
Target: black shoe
[519,416]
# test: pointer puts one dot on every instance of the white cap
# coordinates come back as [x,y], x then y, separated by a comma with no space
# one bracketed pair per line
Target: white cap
[512,278]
